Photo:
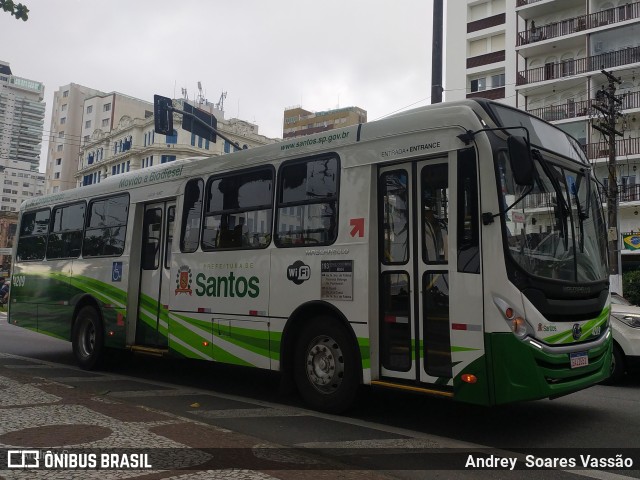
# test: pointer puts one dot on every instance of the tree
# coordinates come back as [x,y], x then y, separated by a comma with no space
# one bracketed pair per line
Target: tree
[18,10]
[631,286]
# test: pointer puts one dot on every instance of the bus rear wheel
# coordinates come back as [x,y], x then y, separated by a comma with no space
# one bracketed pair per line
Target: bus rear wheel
[326,365]
[87,338]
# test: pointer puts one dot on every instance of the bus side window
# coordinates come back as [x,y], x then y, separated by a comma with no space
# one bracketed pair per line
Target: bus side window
[238,210]
[468,216]
[191,216]
[106,228]
[308,203]
[65,237]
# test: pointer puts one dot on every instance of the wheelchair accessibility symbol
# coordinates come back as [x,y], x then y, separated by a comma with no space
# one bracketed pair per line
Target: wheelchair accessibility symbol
[116,272]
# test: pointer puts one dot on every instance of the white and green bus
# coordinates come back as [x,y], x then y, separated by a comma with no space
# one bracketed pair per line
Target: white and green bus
[456,250]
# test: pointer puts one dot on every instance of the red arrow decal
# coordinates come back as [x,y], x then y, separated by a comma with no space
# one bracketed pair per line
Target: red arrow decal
[358,227]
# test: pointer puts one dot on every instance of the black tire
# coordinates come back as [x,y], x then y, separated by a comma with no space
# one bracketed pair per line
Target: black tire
[87,338]
[617,366]
[327,367]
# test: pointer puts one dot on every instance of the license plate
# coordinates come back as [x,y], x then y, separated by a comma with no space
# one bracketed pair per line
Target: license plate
[579,359]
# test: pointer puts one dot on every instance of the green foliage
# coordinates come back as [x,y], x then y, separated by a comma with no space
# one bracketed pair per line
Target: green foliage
[631,286]
[18,10]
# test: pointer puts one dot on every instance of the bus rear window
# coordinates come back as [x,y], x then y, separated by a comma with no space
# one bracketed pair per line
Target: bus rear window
[32,241]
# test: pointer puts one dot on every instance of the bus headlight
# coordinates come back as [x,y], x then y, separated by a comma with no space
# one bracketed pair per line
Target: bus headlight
[517,323]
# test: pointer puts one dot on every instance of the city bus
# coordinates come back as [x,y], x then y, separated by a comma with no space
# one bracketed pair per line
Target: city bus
[457,250]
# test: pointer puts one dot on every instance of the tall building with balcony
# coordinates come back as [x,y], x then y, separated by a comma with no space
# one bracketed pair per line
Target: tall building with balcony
[551,54]
[299,122]
[132,144]
[21,118]
[77,113]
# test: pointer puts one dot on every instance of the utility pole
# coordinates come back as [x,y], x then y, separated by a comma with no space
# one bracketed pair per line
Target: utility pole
[608,105]
[436,55]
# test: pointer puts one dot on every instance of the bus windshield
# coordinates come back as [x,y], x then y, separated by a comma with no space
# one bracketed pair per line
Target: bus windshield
[556,229]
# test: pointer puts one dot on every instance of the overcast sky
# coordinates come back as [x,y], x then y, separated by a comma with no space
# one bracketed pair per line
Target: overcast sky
[266,54]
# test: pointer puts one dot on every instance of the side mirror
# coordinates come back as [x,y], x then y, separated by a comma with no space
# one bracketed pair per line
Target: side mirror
[521,161]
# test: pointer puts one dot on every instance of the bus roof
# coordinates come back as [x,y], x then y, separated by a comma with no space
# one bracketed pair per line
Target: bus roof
[411,121]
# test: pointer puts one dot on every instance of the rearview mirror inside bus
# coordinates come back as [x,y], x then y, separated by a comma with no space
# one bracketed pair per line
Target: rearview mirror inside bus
[521,161]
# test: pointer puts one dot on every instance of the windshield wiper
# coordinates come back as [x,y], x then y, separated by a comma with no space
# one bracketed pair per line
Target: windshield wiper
[563,208]
[583,213]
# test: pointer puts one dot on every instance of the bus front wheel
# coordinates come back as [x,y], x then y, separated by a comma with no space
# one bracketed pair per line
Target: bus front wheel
[87,338]
[326,365]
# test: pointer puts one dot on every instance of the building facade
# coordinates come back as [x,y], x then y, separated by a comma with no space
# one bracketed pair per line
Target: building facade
[546,57]
[77,113]
[299,122]
[132,144]
[21,118]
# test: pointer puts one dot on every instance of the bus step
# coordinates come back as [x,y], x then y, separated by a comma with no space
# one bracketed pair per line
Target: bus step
[152,351]
[413,388]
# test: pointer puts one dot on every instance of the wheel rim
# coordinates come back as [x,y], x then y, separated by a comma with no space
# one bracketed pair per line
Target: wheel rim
[325,364]
[87,338]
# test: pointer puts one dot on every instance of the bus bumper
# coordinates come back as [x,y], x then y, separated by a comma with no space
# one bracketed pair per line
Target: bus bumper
[523,372]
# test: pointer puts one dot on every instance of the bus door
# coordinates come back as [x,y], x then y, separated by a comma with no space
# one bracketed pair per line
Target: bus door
[426,295]
[155,270]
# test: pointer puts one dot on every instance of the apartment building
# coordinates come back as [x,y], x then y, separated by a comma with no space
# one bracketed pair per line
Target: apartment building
[77,113]
[299,122]
[132,144]
[21,118]
[546,57]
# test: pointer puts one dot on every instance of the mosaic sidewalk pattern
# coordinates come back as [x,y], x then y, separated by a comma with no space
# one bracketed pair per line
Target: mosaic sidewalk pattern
[41,413]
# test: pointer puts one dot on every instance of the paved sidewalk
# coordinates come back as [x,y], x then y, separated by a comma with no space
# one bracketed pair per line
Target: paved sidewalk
[36,413]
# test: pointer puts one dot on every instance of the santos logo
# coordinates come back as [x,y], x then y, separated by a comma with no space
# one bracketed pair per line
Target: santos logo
[229,286]
[298,272]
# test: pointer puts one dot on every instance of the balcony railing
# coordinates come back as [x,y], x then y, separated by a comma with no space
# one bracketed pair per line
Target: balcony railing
[486,59]
[577,24]
[628,193]
[488,22]
[567,68]
[627,146]
[521,3]
[553,113]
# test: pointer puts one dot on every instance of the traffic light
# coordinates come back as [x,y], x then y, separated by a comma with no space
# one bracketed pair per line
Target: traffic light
[199,128]
[163,115]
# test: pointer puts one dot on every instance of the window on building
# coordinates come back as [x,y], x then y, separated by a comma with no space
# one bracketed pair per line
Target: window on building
[64,107]
[479,84]
[87,124]
[105,122]
[497,81]
[106,107]
[65,94]
[58,161]
[63,120]
[61,134]
[89,108]
[56,175]
[172,138]
[60,147]
[167,158]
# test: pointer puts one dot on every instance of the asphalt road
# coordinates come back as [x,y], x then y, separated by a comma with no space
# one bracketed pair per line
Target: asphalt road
[601,417]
